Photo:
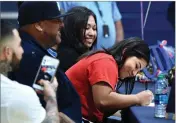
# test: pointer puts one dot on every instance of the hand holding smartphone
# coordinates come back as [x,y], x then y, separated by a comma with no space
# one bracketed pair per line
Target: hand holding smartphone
[46,71]
[49,89]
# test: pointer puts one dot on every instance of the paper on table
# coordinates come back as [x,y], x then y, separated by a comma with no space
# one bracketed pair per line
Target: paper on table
[151,104]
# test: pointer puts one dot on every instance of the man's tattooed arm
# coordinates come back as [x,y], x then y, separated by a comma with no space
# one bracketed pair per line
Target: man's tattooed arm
[64,118]
[52,114]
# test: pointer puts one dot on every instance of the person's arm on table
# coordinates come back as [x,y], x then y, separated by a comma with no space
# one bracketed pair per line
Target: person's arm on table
[107,100]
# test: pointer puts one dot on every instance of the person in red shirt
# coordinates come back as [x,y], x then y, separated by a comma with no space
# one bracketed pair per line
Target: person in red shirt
[96,75]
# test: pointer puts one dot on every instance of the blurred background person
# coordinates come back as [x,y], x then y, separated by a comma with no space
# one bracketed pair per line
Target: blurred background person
[157,26]
[78,36]
[109,25]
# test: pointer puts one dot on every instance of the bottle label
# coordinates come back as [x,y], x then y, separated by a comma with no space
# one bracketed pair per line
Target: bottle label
[161,99]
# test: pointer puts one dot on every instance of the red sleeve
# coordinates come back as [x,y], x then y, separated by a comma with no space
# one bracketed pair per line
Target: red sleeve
[103,70]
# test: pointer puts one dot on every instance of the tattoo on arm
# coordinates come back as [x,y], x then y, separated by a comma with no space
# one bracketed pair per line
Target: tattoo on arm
[52,114]
[64,118]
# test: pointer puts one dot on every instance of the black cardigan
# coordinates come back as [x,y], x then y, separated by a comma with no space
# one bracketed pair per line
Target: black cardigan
[68,56]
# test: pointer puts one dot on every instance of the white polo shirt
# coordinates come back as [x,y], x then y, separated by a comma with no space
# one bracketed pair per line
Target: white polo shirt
[19,103]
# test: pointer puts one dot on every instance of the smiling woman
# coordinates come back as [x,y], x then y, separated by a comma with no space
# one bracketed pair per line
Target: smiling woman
[90,33]
[78,36]
[96,75]
[132,66]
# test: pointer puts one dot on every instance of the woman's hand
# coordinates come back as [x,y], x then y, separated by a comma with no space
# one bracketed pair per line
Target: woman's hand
[145,97]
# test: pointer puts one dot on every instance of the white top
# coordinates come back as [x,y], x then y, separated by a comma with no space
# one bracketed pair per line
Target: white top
[19,103]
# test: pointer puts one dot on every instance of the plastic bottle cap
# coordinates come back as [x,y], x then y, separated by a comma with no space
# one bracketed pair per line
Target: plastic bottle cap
[161,76]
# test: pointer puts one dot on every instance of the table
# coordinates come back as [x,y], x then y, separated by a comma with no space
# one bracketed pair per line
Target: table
[143,114]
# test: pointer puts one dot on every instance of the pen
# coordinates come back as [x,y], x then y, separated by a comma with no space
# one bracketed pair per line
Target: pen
[146,85]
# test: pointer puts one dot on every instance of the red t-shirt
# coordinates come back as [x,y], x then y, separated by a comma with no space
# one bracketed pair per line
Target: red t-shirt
[86,73]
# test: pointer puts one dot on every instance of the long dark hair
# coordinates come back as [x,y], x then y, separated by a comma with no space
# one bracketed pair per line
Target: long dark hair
[72,33]
[132,46]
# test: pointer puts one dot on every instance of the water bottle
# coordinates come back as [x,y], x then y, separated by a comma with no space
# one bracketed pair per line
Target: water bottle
[161,96]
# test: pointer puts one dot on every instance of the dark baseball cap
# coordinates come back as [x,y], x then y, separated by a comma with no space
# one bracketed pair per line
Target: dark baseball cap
[32,12]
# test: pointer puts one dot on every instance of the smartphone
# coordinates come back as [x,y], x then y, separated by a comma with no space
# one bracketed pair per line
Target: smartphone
[46,71]
[105,31]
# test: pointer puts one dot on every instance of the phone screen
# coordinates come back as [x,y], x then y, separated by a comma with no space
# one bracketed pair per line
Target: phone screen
[105,31]
[47,69]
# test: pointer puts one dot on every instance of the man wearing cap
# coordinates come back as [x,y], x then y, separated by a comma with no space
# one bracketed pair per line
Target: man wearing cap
[40,26]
